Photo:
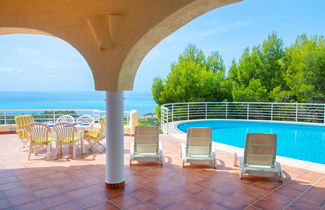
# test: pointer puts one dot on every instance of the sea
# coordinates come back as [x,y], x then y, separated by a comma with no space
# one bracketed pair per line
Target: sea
[140,101]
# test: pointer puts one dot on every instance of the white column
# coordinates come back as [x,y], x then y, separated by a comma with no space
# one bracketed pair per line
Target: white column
[114,138]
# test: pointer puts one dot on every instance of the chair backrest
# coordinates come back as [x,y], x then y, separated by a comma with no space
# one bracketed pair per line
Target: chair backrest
[65,118]
[38,132]
[64,132]
[146,139]
[199,141]
[85,119]
[102,128]
[22,122]
[260,149]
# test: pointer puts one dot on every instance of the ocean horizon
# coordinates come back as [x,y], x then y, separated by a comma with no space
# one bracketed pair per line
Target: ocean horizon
[133,100]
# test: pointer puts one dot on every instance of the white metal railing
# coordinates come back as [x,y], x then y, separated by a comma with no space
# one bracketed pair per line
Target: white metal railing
[297,112]
[7,116]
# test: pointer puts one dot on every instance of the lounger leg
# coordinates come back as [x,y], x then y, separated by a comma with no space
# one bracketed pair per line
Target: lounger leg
[74,150]
[236,160]
[57,151]
[30,151]
[48,150]
[35,150]
[241,172]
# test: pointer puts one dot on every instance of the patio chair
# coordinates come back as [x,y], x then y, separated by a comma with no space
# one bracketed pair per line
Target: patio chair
[198,147]
[94,135]
[146,146]
[65,118]
[85,119]
[259,156]
[39,136]
[22,122]
[65,134]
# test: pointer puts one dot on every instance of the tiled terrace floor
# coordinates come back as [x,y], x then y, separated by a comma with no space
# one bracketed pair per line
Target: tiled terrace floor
[78,184]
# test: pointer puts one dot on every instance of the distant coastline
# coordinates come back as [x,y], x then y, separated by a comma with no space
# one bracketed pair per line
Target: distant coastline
[140,101]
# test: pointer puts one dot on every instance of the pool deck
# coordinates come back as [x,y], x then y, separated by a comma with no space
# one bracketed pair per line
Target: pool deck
[79,184]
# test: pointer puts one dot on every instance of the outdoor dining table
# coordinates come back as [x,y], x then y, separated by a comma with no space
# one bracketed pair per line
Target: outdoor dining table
[80,129]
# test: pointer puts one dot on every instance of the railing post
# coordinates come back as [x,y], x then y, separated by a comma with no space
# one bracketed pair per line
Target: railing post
[206,110]
[5,118]
[247,111]
[297,112]
[271,111]
[167,129]
[162,117]
[188,111]
[53,116]
[226,110]
[172,112]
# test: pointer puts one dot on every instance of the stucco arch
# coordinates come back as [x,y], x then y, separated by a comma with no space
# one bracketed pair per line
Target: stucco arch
[160,31]
[113,36]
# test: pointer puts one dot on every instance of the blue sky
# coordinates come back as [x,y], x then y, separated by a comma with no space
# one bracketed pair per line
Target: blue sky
[42,63]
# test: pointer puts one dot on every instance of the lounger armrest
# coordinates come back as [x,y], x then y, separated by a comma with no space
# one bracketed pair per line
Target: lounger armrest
[132,148]
[237,156]
[183,151]
[160,149]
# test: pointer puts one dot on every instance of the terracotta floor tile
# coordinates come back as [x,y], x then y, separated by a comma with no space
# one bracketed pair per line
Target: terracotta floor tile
[104,206]
[215,207]
[56,200]
[194,203]
[141,206]
[31,205]
[230,204]
[4,203]
[111,194]
[144,194]
[256,192]
[125,201]
[16,192]
[21,199]
[93,200]
[211,197]
[44,193]
[73,205]
[265,204]
[288,192]
[8,179]
[10,186]
[79,193]
[303,205]
[278,198]
[192,188]
[243,197]
[161,201]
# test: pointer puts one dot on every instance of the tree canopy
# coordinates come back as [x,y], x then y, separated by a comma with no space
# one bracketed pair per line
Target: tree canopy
[268,72]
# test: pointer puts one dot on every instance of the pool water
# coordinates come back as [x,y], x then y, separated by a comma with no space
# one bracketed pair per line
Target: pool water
[298,141]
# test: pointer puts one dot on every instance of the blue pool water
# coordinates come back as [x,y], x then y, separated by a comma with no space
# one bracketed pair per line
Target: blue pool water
[298,141]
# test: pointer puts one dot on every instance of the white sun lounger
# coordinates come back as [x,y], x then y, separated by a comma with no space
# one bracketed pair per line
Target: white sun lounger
[259,156]
[198,147]
[146,146]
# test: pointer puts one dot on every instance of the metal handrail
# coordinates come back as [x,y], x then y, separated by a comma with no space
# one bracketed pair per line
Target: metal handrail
[7,115]
[297,112]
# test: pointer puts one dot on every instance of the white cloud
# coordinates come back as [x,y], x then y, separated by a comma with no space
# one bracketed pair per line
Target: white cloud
[7,69]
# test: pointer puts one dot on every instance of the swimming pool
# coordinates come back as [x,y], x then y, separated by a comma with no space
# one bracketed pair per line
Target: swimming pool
[298,141]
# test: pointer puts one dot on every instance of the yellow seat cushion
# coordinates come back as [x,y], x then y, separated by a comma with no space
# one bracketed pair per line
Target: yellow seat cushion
[38,141]
[91,134]
[67,139]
